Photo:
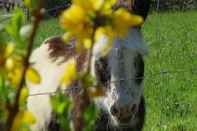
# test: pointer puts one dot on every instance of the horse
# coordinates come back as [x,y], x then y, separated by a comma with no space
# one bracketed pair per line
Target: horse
[121,72]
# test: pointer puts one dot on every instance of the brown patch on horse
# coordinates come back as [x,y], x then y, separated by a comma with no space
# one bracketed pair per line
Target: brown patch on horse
[58,48]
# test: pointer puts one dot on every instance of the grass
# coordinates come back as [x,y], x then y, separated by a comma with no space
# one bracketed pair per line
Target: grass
[171,98]
[48,28]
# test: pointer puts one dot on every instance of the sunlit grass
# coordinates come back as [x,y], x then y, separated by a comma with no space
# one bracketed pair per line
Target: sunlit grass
[48,28]
[171,98]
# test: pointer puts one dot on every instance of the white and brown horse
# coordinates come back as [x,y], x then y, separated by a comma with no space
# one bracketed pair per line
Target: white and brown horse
[121,72]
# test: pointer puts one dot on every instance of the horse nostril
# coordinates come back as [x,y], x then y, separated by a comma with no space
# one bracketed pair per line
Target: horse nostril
[114,110]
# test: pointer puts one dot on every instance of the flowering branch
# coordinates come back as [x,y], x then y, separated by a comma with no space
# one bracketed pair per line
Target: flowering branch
[93,21]
[82,101]
[14,109]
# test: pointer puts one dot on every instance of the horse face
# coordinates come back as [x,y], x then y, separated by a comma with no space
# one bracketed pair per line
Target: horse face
[121,73]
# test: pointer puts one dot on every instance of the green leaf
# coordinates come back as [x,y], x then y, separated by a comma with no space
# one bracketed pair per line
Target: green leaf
[1,82]
[14,25]
[90,116]
[60,103]
[89,80]
[3,88]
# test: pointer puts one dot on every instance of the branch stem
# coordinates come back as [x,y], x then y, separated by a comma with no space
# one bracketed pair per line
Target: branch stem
[15,108]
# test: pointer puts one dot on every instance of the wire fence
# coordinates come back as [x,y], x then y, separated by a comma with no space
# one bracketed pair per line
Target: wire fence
[148,76]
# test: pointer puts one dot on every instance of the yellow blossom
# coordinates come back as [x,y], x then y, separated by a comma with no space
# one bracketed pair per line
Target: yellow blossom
[107,30]
[103,37]
[23,95]
[123,20]
[72,17]
[70,72]
[83,18]
[76,22]
[14,76]
[66,37]
[87,43]
[33,76]
[107,6]
[23,117]
[9,49]
[9,64]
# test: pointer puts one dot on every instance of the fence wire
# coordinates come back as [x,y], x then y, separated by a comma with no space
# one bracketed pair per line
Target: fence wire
[148,76]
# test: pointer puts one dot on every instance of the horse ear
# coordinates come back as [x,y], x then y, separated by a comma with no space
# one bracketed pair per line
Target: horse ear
[140,7]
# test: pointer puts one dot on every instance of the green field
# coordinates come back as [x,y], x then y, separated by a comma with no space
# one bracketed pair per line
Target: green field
[171,96]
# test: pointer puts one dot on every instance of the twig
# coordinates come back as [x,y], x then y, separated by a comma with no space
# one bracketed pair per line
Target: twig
[15,107]
[82,100]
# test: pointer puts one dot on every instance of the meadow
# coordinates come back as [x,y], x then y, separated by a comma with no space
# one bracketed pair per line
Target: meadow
[170,69]
[171,72]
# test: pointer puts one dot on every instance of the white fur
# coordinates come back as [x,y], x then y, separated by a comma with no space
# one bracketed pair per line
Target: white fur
[50,73]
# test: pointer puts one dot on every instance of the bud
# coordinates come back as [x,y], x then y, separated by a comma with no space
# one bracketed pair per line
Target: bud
[26,30]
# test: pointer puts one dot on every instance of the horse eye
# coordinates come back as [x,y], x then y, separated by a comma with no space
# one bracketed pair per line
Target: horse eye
[102,71]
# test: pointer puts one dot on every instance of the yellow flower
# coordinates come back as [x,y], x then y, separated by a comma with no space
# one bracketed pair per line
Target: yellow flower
[107,6]
[28,117]
[13,67]
[14,76]
[23,117]
[9,49]
[97,4]
[87,43]
[107,30]
[67,36]
[5,52]
[123,20]
[9,64]
[82,17]
[73,17]
[23,96]
[76,21]
[70,72]
[103,37]
[33,76]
